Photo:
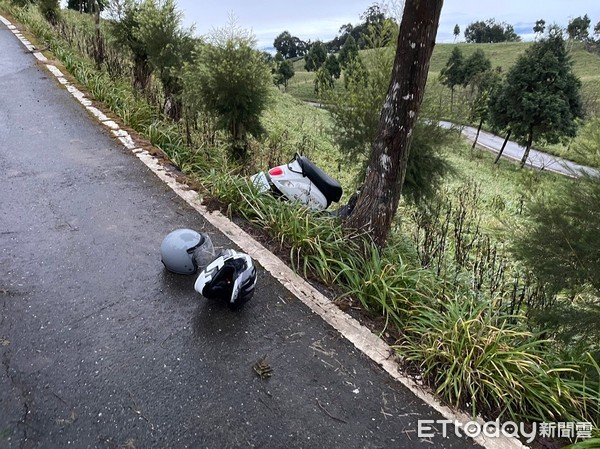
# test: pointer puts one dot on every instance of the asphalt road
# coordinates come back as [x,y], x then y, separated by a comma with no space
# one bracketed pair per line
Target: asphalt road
[536,159]
[100,347]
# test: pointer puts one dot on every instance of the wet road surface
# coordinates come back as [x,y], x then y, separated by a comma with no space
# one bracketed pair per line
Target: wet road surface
[100,347]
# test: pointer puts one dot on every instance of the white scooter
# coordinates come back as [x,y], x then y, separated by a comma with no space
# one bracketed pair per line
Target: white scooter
[302,181]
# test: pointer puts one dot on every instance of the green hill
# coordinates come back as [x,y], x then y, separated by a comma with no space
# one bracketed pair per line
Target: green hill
[502,54]
[586,66]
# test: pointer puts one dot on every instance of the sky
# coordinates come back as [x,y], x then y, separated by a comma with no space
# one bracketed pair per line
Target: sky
[321,19]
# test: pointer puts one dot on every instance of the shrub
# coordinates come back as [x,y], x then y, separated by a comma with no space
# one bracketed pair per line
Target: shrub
[50,9]
[231,80]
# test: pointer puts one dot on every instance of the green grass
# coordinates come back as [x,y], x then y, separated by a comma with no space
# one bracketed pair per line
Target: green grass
[489,363]
[501,55]
[593,443]
[505,188]
[302,84]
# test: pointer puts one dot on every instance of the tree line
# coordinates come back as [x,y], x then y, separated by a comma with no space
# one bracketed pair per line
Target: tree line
[537,100]
[490,31]
[329,59]
[290,46]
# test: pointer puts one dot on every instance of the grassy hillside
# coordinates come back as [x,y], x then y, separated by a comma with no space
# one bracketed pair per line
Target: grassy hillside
[585,65]
[502,55]
[302,85]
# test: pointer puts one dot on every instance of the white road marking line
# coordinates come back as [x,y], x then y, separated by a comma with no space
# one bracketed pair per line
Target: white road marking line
[111,124]
[40,56]
[55,71]
[98,113]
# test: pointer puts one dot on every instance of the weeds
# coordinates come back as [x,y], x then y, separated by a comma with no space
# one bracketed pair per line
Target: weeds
[451,241]
[485,361]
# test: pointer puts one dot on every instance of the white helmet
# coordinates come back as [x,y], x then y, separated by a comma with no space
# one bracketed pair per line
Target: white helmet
[231,277]
[184,251]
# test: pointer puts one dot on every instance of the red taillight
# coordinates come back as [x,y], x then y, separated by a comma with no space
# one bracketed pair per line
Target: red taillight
[276,171]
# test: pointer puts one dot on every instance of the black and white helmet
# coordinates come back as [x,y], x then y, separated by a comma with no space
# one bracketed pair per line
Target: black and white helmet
[184,251]
[231,277]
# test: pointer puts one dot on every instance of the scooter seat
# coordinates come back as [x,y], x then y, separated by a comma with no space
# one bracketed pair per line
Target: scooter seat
[325,183]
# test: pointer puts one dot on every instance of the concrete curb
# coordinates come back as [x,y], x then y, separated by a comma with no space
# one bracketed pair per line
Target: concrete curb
[360,336]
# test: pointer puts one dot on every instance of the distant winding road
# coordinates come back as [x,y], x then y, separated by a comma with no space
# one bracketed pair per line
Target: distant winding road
[536,159]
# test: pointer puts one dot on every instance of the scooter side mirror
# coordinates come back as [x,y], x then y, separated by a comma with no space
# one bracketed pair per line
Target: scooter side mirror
[298,157]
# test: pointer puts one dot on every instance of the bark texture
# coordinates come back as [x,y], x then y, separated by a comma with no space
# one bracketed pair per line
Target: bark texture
[527,147]
[98,41]
[380,195]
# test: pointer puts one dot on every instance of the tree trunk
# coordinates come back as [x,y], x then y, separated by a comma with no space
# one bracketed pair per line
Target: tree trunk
[188,132]
[503,146]
[98,42]
[141,72]
[528,147]
[477,135]
[239,143]
[173,105]
[378,200]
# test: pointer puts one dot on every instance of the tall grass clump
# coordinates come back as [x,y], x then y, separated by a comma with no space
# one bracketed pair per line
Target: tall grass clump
[592,443]
[316,246]
[115,94]
[488,363]
[30,14]
[385,283]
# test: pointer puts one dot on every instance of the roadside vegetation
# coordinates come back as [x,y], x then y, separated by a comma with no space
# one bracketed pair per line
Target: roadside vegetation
[488,284]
